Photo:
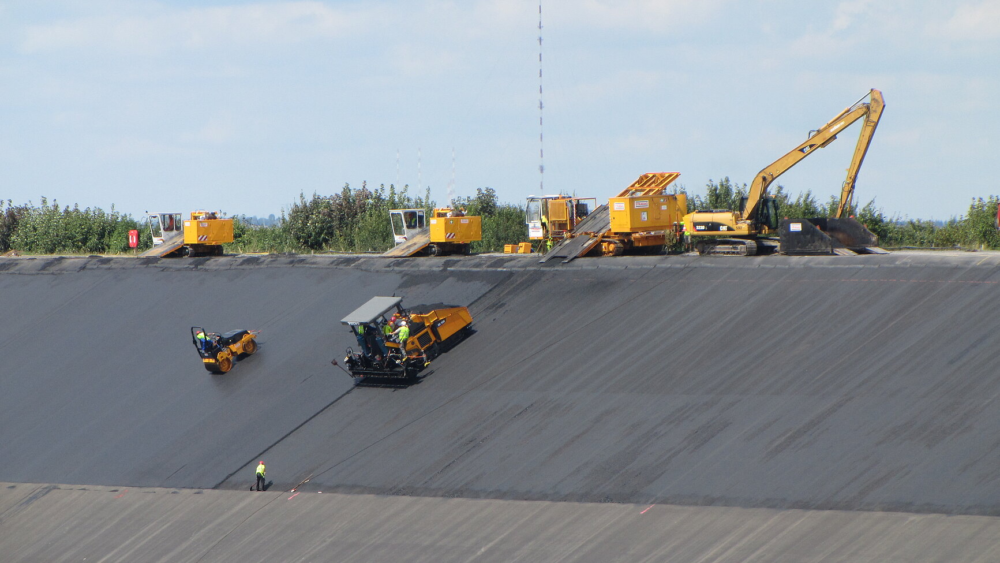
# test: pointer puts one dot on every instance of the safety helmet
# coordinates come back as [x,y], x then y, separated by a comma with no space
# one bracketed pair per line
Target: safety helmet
[262,462]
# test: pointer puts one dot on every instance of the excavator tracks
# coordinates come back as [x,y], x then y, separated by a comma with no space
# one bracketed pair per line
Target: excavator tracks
[727,247]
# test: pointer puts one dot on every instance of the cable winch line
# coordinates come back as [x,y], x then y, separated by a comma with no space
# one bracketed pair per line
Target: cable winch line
[287,434]
[571,334]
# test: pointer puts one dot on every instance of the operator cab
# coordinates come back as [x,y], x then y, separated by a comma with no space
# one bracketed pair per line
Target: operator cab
[555,215]
[406,223]
[767,212]
[163,226]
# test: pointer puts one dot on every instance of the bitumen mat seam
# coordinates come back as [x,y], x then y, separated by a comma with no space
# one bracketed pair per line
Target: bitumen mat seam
[262,453]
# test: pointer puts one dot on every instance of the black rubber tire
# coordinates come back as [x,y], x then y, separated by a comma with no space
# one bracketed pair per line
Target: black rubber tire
[433,250]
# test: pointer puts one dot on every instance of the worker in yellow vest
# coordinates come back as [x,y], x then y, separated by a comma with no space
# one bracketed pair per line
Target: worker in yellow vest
[402,334]
[261,470]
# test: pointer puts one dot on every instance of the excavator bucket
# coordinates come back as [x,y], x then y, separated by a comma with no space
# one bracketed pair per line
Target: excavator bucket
[826,235]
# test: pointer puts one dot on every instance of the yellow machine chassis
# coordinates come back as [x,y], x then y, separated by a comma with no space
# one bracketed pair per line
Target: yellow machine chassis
[224,358]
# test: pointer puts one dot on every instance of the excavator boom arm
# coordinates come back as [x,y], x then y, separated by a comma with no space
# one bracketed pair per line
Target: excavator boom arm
[875,107]
[817,140]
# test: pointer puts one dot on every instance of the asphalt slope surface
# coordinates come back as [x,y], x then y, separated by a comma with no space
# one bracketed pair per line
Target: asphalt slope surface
[844,383]
[102,384]
[789,386]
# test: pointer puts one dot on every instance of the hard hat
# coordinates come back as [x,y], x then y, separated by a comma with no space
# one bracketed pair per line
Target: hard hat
[262,462]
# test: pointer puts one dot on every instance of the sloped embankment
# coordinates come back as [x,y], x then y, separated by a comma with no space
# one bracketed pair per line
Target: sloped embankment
[851,383]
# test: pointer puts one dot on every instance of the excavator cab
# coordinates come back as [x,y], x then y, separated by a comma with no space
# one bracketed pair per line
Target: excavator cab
[767,213]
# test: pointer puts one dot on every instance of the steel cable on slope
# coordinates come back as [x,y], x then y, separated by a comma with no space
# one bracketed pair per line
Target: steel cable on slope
[568,335]
[286,435]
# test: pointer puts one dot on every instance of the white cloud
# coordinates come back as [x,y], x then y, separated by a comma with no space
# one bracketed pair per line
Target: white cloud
[974,22]
[847,12]
[663,15]
[193,29]
[415,59]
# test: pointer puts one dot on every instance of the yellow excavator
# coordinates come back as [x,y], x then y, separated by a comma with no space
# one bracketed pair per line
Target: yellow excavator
[753,227]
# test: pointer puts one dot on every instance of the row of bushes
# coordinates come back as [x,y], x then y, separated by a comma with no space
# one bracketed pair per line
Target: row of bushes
[50,229]
[357,220]
[353,220]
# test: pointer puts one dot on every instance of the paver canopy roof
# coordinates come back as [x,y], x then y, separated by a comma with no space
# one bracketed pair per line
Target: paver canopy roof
[372,310]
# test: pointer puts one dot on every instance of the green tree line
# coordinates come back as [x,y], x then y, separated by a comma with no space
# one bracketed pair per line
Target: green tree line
[357,220]
[352,220]
[51,229]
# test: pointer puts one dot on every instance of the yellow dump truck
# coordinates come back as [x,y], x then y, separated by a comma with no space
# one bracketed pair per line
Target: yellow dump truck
[449,231]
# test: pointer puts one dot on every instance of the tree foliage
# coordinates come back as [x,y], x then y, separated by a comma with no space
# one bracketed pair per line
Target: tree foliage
[49,229]
[357,220]
[10,218]
[354,220]
[503,223]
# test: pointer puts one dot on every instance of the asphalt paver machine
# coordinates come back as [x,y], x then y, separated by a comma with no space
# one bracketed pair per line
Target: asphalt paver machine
[380,356]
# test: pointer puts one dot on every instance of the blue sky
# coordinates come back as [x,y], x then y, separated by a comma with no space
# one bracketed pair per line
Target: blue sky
[240,106]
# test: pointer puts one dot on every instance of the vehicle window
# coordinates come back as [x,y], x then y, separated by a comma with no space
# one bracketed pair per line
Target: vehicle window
[154,226]
[534,210]
[411,219]
[397,223]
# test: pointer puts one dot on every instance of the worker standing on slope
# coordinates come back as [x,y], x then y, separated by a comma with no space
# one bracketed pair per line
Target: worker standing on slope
[261,470]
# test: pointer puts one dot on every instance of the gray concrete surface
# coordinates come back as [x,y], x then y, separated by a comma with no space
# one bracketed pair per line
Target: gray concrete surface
[856,383]
[59,523]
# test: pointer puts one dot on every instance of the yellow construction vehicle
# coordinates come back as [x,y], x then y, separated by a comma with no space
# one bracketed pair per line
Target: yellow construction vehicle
[550,218]
[203,234]
[382,357]
[642,218]
[219,351]
[746,231]
[450,231]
